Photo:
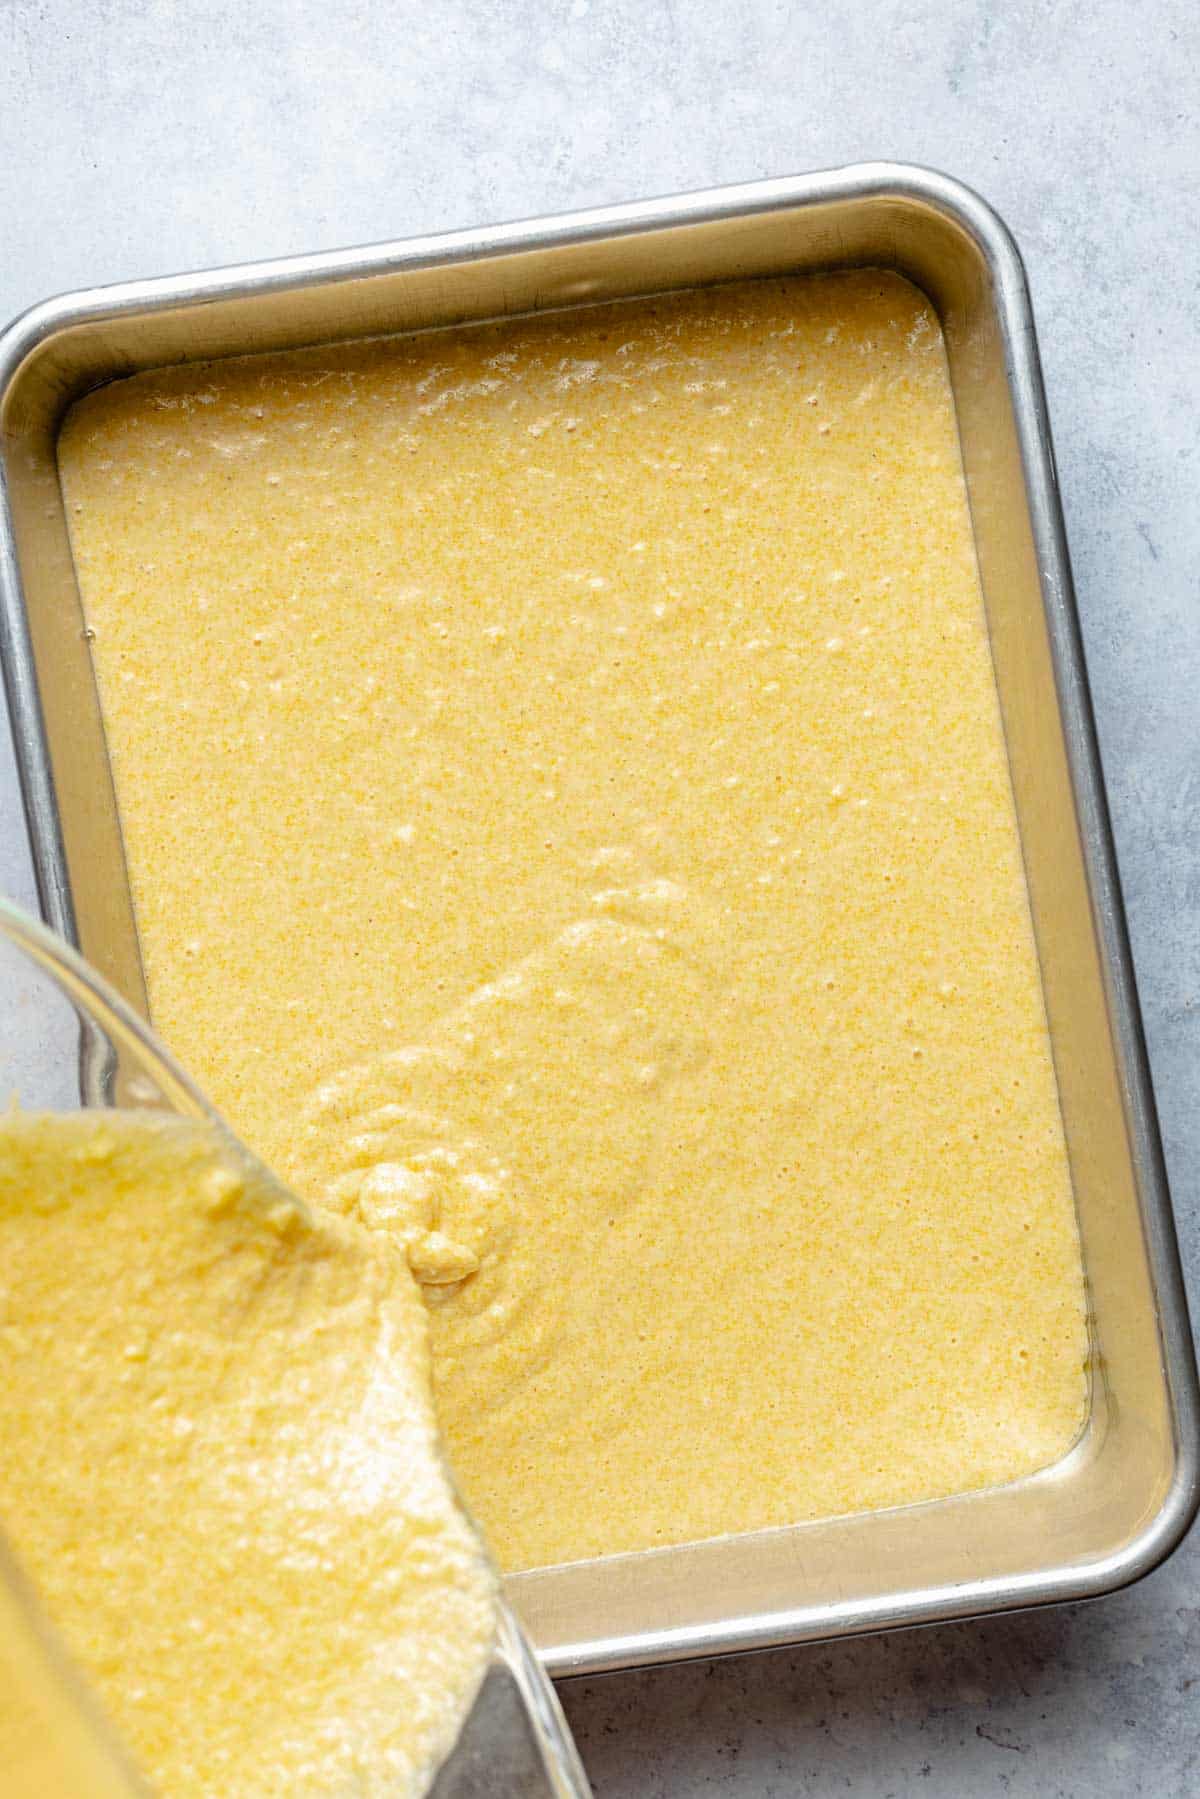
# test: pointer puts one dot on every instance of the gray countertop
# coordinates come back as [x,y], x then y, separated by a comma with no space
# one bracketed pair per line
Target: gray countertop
[141,136]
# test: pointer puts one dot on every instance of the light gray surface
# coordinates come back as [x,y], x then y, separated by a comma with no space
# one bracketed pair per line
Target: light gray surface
[138,138]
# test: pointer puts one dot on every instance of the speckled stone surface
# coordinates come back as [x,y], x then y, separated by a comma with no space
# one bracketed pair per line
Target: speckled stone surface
[140,136]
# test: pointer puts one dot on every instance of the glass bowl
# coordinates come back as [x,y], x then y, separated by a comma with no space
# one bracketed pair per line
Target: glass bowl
[68,1041]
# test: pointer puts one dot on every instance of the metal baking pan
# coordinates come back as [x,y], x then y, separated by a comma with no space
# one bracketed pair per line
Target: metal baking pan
[1125,1494]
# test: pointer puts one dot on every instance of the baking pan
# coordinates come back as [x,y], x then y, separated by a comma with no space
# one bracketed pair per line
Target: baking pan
[1125,1494]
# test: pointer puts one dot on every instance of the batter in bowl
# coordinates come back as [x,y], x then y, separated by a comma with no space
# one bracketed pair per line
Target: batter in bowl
[219,1466]
[568,822]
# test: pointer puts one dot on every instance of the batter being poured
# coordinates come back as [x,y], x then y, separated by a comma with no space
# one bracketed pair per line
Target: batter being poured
[220,1467]
[569,827]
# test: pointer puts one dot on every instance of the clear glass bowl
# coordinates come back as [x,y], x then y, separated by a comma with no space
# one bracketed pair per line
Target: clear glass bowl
[66,1041]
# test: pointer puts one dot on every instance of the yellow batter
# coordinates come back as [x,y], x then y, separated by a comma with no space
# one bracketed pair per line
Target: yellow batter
[220,1467]
[567,812]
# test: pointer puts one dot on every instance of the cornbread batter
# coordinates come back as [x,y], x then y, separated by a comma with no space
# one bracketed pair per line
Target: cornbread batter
[220,1467]
[568,822]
